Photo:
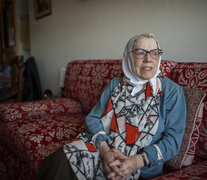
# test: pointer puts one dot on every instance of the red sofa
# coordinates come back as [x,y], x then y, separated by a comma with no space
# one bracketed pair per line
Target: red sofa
[30,131]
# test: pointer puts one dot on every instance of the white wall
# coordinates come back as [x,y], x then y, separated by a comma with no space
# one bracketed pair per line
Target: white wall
[21,12]
[82,29]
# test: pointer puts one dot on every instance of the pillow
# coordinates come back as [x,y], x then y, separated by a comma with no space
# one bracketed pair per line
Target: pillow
[14,111]
[194,99]
[194,75]
[194,139]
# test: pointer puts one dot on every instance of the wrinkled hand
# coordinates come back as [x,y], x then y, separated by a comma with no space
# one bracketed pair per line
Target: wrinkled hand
[108,156]
[122,166]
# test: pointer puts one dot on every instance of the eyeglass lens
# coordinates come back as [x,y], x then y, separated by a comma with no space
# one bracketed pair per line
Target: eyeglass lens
[142,53]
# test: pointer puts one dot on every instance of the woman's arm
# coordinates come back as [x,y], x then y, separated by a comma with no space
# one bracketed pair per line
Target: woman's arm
[95,130]
[173,110]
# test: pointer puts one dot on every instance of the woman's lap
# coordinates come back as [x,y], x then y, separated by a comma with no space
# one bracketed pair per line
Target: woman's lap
[56,167]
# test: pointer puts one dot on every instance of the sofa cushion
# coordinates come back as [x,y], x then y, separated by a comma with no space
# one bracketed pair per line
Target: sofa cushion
[194,99]
[15,167]
[26,136]
[194,75]
[194,139]
[195,171]
[15,111]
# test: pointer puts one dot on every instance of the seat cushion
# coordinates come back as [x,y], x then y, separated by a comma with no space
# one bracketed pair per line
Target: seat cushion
[195,171]
[16,111]
[30,135]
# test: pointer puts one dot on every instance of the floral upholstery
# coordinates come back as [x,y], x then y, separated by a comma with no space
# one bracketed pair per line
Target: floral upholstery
[30,131]
[12,112]
[194,138]
[86,80]
[194,75]
[14,168]
[36,137]
[37,132]
[167,66]
[194,98]
[196,171]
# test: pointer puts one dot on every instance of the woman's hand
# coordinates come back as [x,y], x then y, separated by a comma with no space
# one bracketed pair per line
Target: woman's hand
[108,157]
[124,165]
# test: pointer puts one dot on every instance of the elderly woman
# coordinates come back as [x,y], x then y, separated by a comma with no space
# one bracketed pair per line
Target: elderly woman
[137,125]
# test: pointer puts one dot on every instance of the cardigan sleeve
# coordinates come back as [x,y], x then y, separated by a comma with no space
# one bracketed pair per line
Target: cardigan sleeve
[95,130]
[173,110]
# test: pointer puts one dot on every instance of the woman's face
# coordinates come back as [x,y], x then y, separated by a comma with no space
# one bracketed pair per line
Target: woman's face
[145,68]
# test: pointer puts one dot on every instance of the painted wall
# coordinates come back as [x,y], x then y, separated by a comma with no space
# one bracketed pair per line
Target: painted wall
[21,12]
[83,29]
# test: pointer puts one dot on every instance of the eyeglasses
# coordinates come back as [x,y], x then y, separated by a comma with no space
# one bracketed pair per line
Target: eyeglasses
[142,53]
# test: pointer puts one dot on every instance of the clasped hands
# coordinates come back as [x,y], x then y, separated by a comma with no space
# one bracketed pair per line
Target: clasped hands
[117,165]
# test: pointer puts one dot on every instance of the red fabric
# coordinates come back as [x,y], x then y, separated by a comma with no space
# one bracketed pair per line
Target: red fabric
[14,168]
[38,136]
[34,131]
[85,80]
[166,66]
[16,111]
[90,147]
[194,75]
[194,139]
[108,108]
[114,126]
[195,171]
[193,65]
[132,134]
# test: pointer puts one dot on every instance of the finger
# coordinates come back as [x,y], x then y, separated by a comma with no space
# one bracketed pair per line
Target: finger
[118,177]
[119,155]
[117,170]
[127,172]
[126,169]
[107,169]
[115,163]
[115,150]
[115,167]
[124,178]
[111,175]
[108,159]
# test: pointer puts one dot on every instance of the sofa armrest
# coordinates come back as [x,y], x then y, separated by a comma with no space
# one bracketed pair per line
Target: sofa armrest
[14,111]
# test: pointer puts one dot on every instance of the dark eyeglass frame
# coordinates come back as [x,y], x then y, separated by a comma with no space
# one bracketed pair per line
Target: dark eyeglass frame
[148,52]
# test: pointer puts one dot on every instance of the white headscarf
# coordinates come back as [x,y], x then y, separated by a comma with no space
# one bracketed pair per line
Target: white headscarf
[129,71]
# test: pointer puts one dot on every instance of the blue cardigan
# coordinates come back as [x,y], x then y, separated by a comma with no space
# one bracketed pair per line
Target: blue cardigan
[168,138]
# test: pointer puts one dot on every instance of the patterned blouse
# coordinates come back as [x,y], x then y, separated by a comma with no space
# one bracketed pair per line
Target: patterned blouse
[167,140]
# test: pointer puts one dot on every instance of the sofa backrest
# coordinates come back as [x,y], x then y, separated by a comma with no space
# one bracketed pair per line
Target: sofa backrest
[85,80]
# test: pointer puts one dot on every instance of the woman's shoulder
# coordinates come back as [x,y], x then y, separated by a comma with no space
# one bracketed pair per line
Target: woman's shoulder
[171,91]
[115,81]
[169,85]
